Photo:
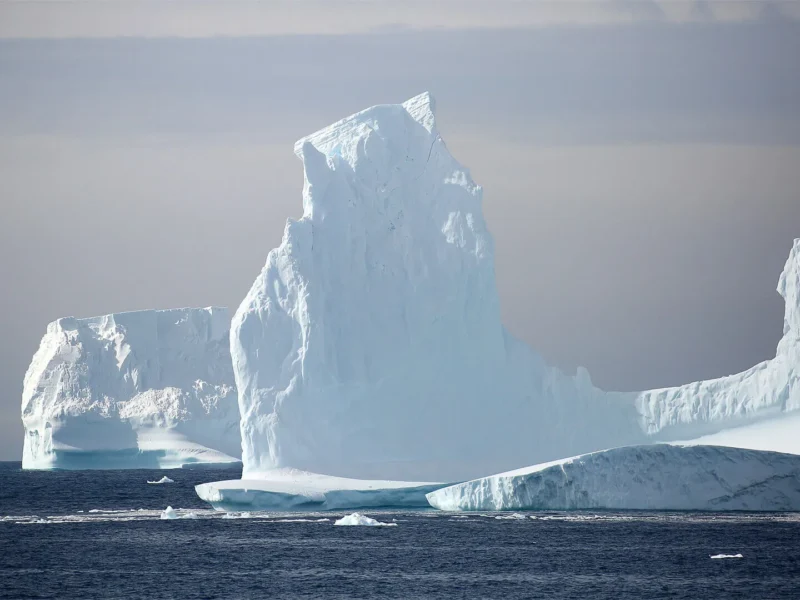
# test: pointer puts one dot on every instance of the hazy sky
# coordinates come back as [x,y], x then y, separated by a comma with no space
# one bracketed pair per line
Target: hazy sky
[640,161]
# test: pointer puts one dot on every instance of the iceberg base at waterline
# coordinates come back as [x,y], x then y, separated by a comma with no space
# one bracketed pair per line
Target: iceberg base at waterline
[652,477]
[290,489]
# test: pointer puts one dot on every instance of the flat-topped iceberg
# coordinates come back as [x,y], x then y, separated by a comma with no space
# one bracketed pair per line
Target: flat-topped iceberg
[652,477]
[147,389]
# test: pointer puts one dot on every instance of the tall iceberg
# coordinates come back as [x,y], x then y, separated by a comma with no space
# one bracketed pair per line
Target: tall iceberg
[370,346]
[147,389]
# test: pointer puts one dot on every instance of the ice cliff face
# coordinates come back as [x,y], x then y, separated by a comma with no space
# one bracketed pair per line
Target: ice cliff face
[767,391]
[132,390]
[654,477]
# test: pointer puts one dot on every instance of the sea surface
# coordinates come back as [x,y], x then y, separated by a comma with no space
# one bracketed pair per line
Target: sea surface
[99,534]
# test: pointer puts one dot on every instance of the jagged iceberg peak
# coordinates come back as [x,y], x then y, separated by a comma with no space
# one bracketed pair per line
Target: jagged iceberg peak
[378,315]
[789,288]
[149,388]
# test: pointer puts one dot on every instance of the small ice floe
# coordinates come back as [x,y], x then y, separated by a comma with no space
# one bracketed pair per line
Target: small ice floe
[512,517]
[305,521]
[726,556]
[164,479]
[171,513]
[236,515]
[359,519]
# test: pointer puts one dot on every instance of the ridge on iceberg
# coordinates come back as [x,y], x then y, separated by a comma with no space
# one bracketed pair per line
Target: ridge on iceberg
[652,477]
[146,389]
[755,409]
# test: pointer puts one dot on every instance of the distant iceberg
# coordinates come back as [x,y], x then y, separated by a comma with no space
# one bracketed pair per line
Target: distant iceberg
[653,477]
[148,389]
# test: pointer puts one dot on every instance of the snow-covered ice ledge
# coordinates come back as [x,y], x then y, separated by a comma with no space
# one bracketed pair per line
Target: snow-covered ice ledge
[653,477]
[290,489]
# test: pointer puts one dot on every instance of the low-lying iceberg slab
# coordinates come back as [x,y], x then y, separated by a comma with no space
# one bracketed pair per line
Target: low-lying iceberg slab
[148,389]
[290,489]
[653,477]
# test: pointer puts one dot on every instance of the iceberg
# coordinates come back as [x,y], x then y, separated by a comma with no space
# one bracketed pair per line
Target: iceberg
[147,389]
[651,477]
[370,346]
[290,489]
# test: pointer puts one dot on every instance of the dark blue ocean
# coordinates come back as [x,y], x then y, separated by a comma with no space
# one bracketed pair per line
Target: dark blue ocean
[98,534]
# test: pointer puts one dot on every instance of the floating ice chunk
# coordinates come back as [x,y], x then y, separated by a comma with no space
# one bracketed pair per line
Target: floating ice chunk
[726,556]
[164,479]
[171,513]
[512,517]
[236,515]
[359,519]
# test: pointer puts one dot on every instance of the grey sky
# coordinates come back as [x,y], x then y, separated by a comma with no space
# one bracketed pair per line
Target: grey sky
[641,180]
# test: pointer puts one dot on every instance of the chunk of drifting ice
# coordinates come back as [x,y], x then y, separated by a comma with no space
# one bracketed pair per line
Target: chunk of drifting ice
[171,513]
[164,479]
[359,519]
[512,517]
[726,556]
